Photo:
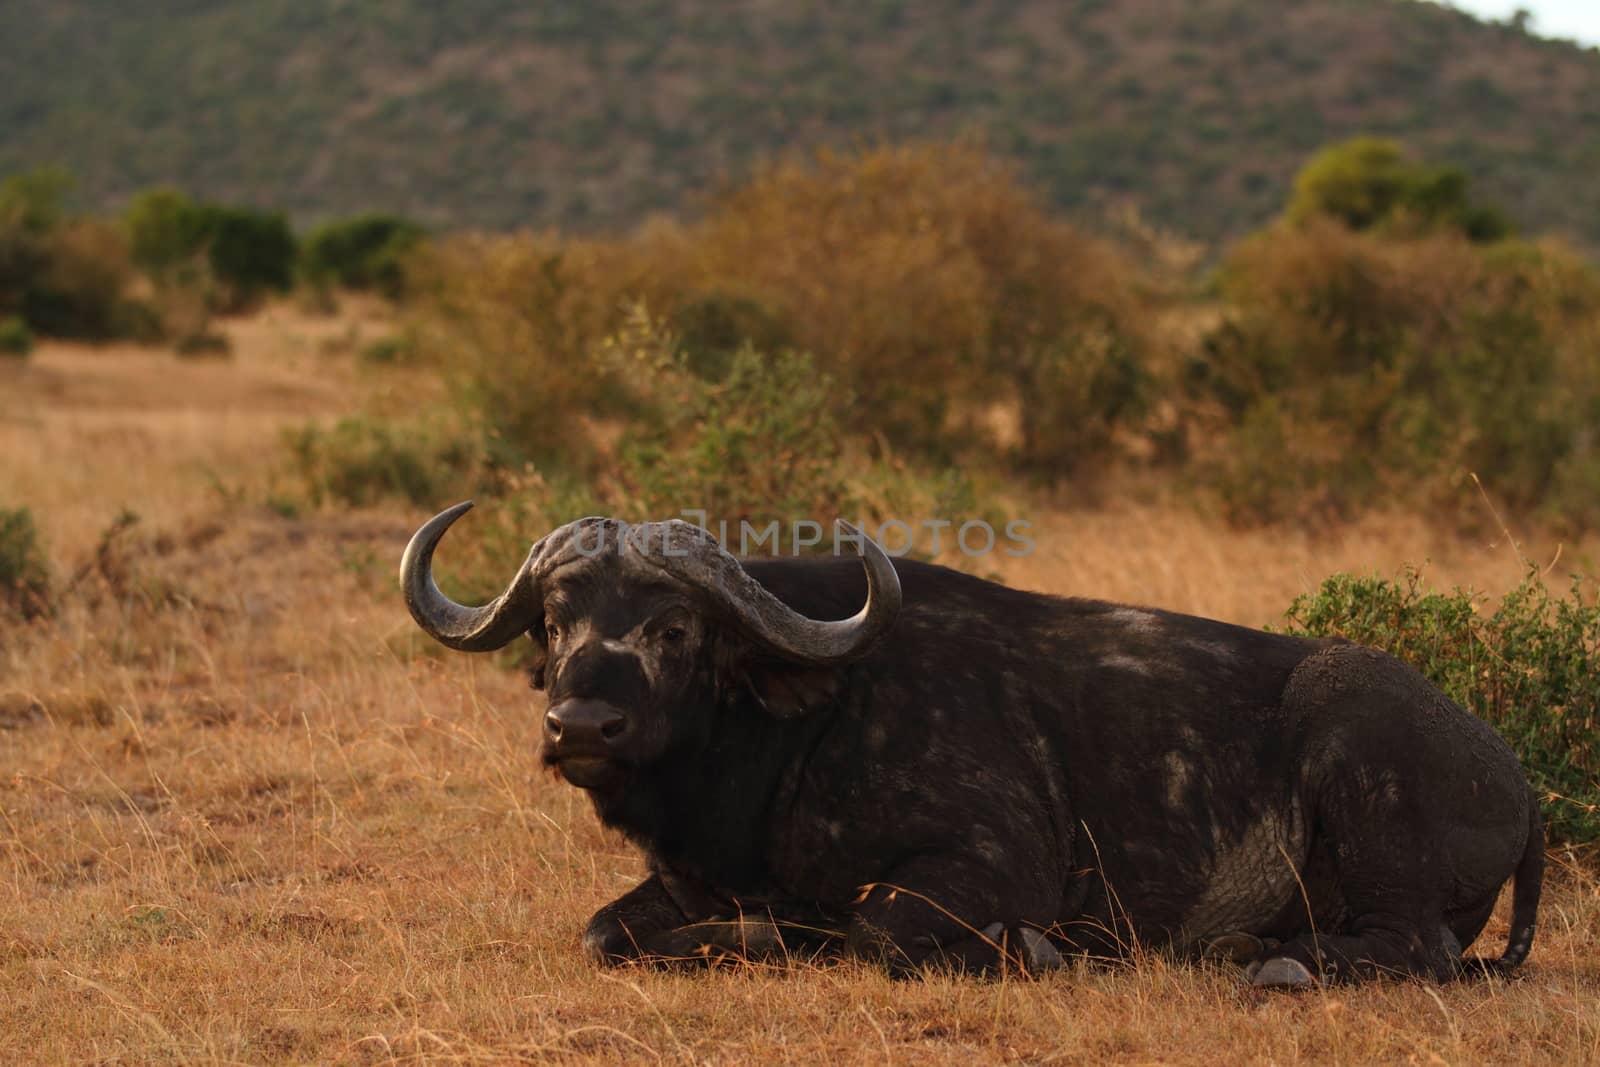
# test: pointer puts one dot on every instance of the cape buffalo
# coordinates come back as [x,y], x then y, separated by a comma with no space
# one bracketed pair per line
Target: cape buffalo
[964,775]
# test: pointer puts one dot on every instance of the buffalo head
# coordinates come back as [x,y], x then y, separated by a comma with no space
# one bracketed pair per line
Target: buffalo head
[637,627]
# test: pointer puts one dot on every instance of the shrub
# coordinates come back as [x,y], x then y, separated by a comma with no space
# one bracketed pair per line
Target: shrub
[1531,668]
[761,445]
[391,349]
[35,201]
[232,254]
[80,289]
[167,230]
[713,326]
[62,276]
[140,319]
[203,344]
[430,463]
[15,337]
[926,281]
[513,321]
[1075,392]
[251,252]
[756,445]
[363,252]
[929,281]
[1368,182]
[24,574]
[1355,366]
[897,491]
[361,461]
[23,258]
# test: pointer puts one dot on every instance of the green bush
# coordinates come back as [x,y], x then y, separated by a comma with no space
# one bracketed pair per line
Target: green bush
[390,349]
[15,337]
[1368,182]
[1356,368]
[758,444]
[513,320]
[363,252]
[235,254]
[1079,389]
[35,201]
[361,461]
[24,256]
[252,252]
[713,326]
[62,276]
[24,574]
[1530,667]
[80,290]
[428,464]
[167,230]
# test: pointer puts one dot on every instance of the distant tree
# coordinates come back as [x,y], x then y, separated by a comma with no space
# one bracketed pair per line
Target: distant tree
[82,282]
[60,275]
[1368,182]
[251,250]
[34,202]
[247,251]
[362,252]
[166,229]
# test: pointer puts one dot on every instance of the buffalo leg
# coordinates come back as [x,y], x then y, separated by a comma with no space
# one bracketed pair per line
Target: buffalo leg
[1418,807]
[1375,946]
[922,917]
[646,925]
[1391,889]
[1394,926]
[741,939]
[626,928]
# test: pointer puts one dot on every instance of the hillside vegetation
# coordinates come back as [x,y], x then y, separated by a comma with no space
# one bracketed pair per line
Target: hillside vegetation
[898,329]
[494,113]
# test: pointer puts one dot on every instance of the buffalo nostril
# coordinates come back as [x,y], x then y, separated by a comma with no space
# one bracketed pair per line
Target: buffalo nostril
[584,724]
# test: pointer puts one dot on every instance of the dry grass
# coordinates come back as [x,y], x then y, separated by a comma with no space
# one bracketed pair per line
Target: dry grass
[245,816]
[1172,557]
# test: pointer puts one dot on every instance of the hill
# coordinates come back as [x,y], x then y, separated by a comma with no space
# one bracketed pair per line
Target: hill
[489,112]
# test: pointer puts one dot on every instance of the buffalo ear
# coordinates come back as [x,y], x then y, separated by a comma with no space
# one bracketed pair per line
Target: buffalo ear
[787,690]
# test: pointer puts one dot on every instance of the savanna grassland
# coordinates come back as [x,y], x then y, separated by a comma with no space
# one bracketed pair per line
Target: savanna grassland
[248,816]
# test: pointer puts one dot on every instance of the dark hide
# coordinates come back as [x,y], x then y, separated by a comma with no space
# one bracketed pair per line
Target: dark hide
[1008,777]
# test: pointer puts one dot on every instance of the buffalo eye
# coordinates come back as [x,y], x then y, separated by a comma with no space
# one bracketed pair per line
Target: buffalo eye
[552,630]
[673,634]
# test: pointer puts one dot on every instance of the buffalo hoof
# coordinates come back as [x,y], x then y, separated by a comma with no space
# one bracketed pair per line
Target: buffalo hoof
[1281,972]
[1037,951]
[609,945]
[1450,943]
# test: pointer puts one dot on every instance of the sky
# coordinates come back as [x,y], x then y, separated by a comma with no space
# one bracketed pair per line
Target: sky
[1578,19]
